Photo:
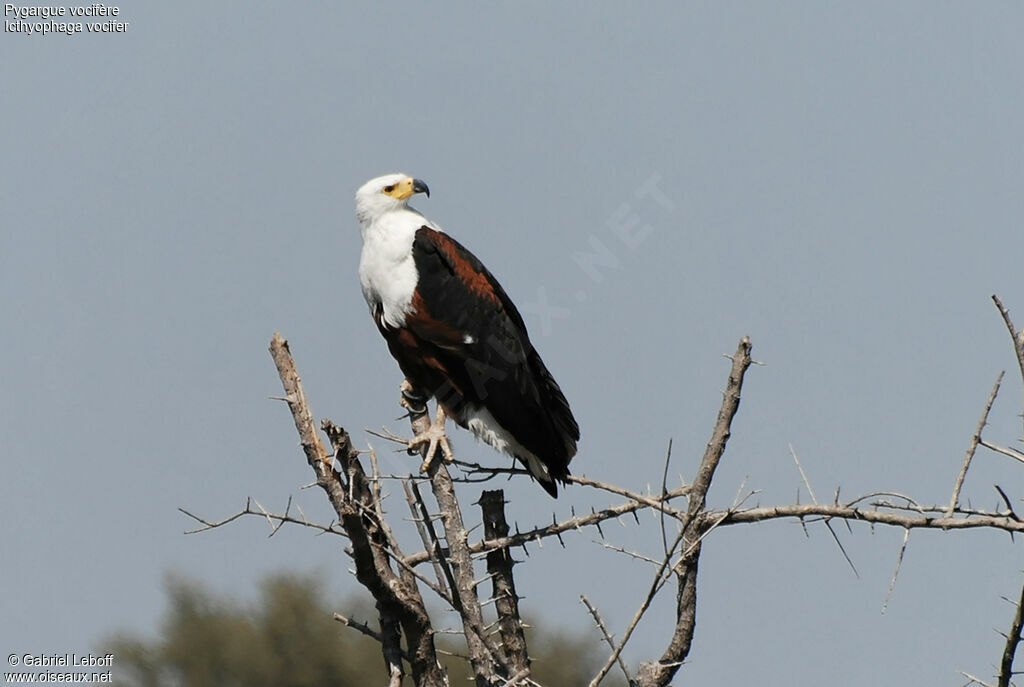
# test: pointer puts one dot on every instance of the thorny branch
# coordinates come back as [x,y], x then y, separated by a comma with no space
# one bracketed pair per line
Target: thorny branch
[1016,335]
[488,664]
[599,622]
[975,441]
[1013,639]
[399,603]
[697,522]
[503,585]
[500,657]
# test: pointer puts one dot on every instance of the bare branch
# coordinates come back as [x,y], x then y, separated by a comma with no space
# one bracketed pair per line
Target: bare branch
[723,427]
[484,656]
[606,635]
[540,533]
[972,680]
[660,674]
[503,586]
[393,579]
[896,572]
[1016,336]
[1012,453]
[803,475]
[207,525]
[398,600]
[664,495]
[660,503]
[295,395]
[1013,638]
[849,513]
[975,440]
[632,554]
[425,527]
[364,629]
[656,585]
[810,491]
[279,518]
[912,503]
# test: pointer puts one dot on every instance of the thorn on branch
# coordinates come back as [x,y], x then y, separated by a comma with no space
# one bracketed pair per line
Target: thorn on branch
[1009,512]
[896,572]
[609,640]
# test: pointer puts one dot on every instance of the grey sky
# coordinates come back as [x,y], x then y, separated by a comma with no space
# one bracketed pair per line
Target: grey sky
[843,184]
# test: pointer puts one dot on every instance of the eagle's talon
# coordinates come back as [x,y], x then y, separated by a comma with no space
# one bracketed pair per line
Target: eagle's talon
[415,403]
[431,439]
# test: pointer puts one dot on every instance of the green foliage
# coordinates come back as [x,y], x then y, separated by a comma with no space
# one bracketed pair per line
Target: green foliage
[289,638]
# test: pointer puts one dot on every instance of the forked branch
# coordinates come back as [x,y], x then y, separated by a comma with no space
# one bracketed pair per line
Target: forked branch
[660,673]
[499,656]
[399,603]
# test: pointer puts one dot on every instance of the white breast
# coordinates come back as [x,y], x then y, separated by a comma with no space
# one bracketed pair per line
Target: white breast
[387,271]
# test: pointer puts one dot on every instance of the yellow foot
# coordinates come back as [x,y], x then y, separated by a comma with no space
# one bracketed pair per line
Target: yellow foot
[431,439]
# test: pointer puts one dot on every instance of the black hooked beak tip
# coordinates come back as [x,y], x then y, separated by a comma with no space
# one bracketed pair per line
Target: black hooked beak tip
[419,186]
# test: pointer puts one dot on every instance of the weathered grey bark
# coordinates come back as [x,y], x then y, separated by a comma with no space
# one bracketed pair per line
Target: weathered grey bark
[398,600]
[1013,640]
[1016,335]
[1013,637]
[660,673]
[401,609]
[503,585]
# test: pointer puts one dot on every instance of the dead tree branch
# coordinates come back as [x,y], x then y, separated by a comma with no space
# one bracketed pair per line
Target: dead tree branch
[1016,336]
[483,653]
[853,514]
[697,522]
[499,656]
[503,586]
[276,520]
[485,657]
[398,602]
[1013,639]
[1011,452]
[553,530]
[975,441]
[599,621]
[425,528]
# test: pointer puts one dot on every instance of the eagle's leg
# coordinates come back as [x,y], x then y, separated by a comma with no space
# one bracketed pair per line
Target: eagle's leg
[427,441]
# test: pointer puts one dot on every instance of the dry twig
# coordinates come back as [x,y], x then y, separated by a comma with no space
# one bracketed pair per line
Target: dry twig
[609,640]
[975,441]
[399,603]
[393,580]
[1013,638]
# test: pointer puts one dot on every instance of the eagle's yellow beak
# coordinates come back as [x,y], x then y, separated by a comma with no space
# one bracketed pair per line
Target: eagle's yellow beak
[406,188]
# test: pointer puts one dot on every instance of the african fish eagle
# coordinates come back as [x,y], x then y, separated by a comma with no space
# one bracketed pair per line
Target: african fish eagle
[457,336]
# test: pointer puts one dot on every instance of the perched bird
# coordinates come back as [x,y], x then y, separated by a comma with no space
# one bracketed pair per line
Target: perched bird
[457,336]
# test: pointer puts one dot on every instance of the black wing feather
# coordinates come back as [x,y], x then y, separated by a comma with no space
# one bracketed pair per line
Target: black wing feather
[497,367]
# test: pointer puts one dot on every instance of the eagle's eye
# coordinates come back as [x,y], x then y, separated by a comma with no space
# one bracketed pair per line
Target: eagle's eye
[389,189]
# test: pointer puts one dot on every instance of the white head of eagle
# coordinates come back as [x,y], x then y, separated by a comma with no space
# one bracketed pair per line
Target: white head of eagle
[456,334]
